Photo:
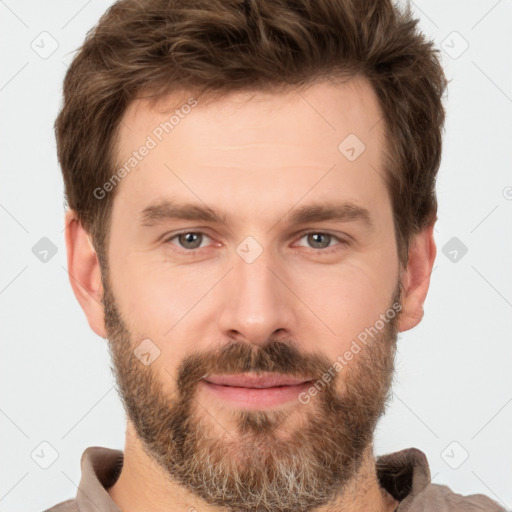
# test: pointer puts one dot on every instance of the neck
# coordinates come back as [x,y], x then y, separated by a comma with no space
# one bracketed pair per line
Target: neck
[143,485]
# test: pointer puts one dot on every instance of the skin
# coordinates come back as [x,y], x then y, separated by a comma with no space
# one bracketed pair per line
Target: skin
[255,157]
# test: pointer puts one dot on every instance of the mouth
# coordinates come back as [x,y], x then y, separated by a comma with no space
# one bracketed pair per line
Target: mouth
[255,381]
[255,391]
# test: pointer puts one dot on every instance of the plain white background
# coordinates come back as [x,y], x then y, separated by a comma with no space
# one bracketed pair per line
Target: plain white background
[453,391]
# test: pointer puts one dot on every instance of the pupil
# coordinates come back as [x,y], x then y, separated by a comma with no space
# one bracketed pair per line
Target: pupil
[317,236]
[189,239]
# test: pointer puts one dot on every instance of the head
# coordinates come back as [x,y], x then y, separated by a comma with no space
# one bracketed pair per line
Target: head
[295,147]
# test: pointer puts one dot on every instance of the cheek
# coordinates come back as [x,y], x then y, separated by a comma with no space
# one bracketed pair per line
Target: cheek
[156,304]
[158,295]
[347,299]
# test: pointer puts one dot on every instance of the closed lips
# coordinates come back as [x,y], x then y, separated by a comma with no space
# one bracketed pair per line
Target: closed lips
[254,381]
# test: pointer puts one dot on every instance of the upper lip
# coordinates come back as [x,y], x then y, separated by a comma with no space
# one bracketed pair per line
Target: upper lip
[245,380]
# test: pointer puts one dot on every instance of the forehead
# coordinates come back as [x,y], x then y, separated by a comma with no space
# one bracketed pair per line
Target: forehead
[324,108]
[247,142]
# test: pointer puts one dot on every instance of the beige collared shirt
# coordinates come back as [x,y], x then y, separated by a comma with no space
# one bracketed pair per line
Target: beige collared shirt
[404,474]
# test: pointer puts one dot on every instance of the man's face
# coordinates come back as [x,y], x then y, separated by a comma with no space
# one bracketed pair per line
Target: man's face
[258,293]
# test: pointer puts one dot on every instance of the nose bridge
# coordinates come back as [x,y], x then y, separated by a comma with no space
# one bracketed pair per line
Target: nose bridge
[256,302]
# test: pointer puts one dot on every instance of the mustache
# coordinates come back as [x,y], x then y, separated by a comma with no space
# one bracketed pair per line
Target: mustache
[238,357]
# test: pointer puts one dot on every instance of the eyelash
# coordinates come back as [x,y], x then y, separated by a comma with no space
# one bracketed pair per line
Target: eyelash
[328,250]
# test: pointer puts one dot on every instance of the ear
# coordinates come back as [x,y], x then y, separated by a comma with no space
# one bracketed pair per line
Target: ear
[84,273]
[416,278]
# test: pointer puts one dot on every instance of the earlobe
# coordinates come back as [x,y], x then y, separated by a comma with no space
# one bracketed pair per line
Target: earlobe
[416,279]
[84,273]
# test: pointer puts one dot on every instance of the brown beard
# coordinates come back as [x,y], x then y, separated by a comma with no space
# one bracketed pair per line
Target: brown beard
[263,464]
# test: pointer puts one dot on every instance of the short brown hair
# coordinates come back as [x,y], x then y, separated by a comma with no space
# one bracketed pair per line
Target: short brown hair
[223,46]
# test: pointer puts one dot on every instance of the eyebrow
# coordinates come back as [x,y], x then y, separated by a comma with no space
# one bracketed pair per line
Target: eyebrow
[330,211]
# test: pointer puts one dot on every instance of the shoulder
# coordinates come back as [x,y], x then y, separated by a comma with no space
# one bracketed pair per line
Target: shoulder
[405,475]
[442,499]
[65,506]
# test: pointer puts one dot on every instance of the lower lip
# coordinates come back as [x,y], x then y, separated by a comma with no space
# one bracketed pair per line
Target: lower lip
[254,398]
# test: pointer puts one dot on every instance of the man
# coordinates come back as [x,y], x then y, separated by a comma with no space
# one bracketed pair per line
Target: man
[295,147]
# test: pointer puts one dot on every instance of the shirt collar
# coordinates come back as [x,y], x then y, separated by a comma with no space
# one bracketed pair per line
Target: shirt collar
[403,474]
[100,470]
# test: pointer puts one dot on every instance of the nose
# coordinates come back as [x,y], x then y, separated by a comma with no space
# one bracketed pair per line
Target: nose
[257,301]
